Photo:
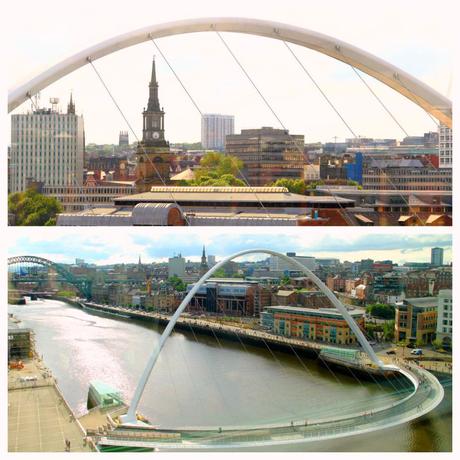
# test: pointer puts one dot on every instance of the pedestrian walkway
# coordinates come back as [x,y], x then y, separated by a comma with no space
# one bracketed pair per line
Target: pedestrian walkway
[39,420]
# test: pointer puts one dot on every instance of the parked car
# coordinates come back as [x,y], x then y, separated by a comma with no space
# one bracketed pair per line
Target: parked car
[417,352]
[410,345]
[391,352]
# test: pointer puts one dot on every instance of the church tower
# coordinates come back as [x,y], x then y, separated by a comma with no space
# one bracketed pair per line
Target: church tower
[153,155]
[204,264]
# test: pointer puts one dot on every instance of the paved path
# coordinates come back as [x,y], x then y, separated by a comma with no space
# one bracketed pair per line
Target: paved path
[39,420]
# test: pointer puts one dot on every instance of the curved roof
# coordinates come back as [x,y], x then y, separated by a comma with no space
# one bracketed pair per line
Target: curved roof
[153,213]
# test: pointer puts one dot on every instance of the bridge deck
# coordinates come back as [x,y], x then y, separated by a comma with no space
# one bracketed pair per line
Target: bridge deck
[426,396]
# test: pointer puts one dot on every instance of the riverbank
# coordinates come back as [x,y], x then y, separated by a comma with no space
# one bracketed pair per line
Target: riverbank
[39,417]
[365,368]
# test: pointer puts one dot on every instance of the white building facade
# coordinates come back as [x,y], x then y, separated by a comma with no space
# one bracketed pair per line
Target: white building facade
[445,146]
[48,147]
[276,264]
[444,324]
[214,128]
[176,266]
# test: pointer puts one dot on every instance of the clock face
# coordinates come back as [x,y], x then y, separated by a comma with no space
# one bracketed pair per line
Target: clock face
[156,134]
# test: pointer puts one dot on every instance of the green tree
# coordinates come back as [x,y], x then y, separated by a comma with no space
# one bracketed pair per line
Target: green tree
[293,185]
[381,310]
[313,184]
[177,283]
[212,179]
[219,273]
[285,280]
[389,330]
[219,164]
[32,208]
[437,344]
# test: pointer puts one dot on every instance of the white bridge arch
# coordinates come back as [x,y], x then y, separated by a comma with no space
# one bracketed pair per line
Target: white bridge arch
[130,417]
[418,92]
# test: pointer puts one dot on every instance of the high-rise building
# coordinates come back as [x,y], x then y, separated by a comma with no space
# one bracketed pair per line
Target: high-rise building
[437,256]
[47,147]
[277,264]
[176,266]
[211,260]
[444,325]
[153,155]
[214,128]
[445,146]
[268,154]
[123,138]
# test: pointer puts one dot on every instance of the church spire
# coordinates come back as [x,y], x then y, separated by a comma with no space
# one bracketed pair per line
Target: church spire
[204,265]
[71,105]
[153,104]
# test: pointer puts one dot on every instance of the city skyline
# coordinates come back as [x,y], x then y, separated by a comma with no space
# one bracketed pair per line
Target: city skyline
[420,47]
[122,248]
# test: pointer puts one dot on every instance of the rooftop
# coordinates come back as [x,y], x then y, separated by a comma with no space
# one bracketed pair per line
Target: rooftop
[422,302]
[329,312]
[230,195]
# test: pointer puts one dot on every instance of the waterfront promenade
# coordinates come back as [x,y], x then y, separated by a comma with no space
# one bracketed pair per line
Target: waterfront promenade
[39,419]
[230,331]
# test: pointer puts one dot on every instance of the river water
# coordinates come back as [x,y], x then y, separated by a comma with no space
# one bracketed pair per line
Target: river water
[205,381]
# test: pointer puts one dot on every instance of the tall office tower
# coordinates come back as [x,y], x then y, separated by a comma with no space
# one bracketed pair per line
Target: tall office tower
[445,146]
[268,154]
[437,256]
[47,147]
[123,138]
[176,266]
[153,155]
[214,128]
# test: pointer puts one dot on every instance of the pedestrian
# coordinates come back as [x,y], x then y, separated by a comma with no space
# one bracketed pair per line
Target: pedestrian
[67,445]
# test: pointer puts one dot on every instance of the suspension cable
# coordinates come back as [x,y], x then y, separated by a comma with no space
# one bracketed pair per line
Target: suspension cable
[344,214]
[388,179]
[379,100]
[320,89]
[429,163]
[201,114]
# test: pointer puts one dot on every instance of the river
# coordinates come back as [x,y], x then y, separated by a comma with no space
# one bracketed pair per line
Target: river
[204,381]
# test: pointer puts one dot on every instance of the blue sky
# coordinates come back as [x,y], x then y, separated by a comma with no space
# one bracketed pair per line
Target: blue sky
[115,245]
[415,35]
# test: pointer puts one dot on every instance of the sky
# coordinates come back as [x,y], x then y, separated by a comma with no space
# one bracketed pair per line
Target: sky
[415,35]
[160,243]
